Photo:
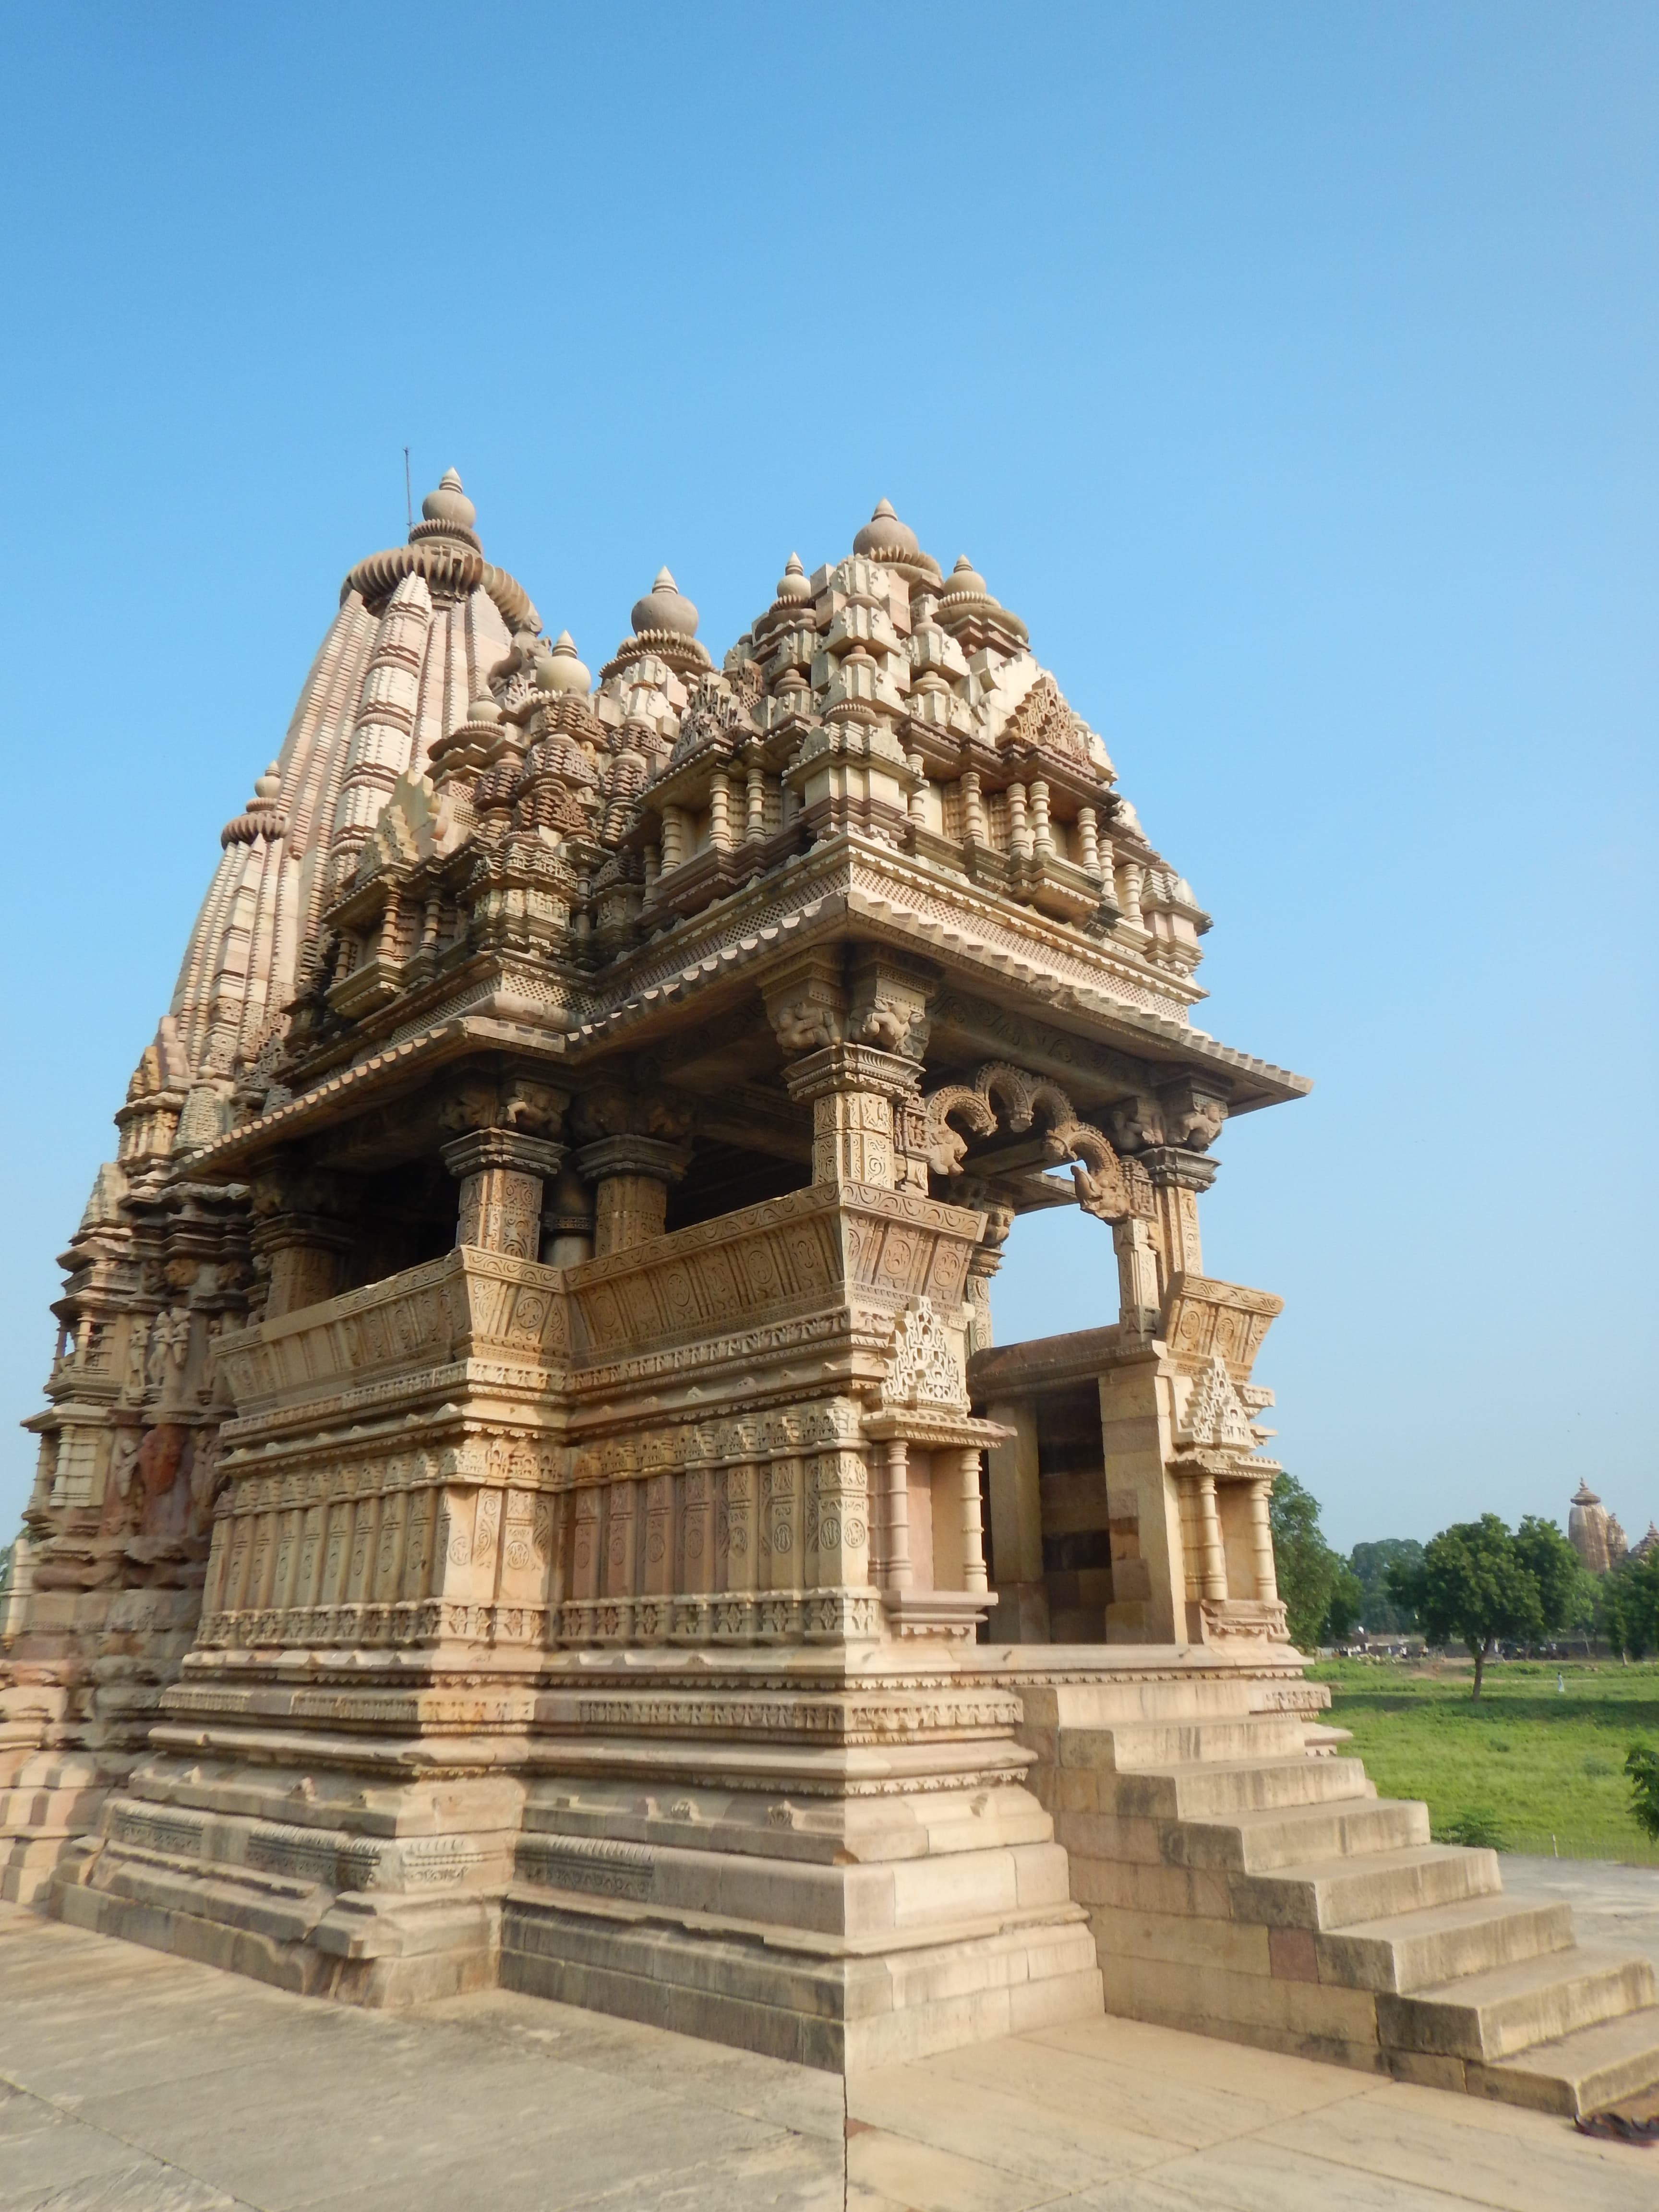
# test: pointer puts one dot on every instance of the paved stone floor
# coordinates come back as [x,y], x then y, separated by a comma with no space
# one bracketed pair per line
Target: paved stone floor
[1613,1907]
[134,2082]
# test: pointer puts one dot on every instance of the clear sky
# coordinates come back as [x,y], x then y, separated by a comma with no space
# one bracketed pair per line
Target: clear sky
[1289,368]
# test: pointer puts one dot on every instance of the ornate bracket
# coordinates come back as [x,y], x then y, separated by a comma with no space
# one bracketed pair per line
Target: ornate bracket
[999,1096]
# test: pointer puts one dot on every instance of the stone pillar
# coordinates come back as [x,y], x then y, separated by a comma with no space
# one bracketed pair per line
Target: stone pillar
[567,1221]
[1019,827]
[1177,1178]
[851,1089]
[302,1234]
[1022,1608]
[1211,1553]
[899,1574]
[973,1526]
[986,1259]
[973,810]
[1261,1542]
[631,1175]
[1142,1496]
[719,810]
[1042,835]
[1138,1288]
[502,1172]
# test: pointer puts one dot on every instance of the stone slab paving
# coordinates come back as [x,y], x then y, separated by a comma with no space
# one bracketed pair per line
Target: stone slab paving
[1614,1908]
[131,2082]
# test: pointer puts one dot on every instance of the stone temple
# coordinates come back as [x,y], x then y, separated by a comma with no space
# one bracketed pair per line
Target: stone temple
[528,1492]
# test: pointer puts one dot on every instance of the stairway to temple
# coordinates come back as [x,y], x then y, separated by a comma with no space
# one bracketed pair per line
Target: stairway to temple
[1243,1879]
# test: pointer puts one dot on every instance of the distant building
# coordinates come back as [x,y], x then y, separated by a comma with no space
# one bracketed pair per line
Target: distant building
[1594,1534]
[1644,1545]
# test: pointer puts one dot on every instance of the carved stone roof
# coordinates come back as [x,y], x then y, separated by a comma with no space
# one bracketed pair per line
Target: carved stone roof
[881,654]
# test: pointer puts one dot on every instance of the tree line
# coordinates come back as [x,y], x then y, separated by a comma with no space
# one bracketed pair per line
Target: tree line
[1477,1583]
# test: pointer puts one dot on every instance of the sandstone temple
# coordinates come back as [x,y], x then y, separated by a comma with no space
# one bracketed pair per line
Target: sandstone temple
[528,1490]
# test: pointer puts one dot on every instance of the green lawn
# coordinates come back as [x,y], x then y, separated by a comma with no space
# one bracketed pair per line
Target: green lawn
[1526,1765]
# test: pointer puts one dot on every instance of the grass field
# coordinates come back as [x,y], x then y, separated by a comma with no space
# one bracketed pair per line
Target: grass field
[1530,1768]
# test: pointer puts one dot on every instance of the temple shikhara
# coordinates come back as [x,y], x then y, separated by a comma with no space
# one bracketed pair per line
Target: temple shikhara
[529,1490]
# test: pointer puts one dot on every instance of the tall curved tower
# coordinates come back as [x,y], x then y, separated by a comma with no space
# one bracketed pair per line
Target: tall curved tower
[106,1586]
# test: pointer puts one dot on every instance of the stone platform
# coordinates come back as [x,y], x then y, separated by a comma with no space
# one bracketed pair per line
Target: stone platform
[141,2083]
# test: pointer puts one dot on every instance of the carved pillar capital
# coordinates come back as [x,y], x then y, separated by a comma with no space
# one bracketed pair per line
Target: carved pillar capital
[631,1175]
[805,1001]
[511,1149]
[1172,1167]
[889,994]
[302,1231]
[501,1173]
[853,1090]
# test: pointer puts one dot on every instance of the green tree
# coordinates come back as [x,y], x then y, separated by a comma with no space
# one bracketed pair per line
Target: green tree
[1582,1614]
[1380,1614]
[1304,1563]
[1628,1606]
[1479,1582]
[1555,1567]
[1347,1606]
[1642,1765]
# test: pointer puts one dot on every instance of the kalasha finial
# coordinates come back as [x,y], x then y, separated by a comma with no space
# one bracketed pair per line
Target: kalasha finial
[792,584]
[885,533]
[262,817]
[449,503]
[561,669]
[664,607]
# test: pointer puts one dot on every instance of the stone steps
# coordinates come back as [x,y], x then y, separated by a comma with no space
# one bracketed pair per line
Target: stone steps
[1580,2073]
[1415,1950]
[1140,1744]
[1281,1838]
[1335,1892]
[1511,2008]
[1244,1880]
[1194,1793]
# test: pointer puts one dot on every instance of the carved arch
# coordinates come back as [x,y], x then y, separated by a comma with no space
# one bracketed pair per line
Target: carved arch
[1004,1097]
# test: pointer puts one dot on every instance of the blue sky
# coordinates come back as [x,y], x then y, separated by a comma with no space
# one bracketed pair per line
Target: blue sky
[1291,369]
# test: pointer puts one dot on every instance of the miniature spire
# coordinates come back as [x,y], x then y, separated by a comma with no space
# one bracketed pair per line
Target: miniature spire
[560,668]
[262,817]
[449,503]
[964,581]
[885,533]
[664,607]
[793,585]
